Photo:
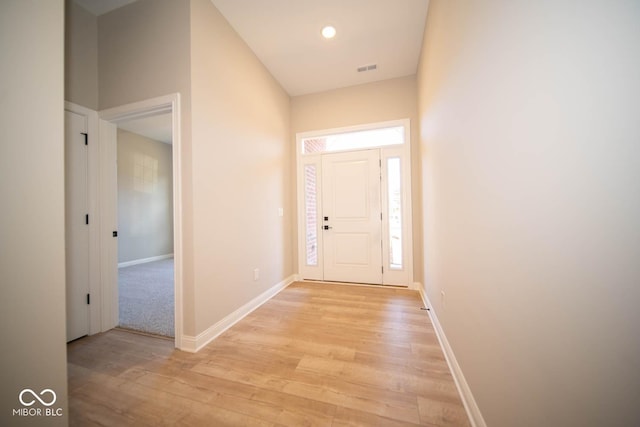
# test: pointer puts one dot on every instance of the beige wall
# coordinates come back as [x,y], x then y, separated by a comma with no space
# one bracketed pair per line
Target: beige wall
[145,197]
[235,164]
[144,52]
[531,176]
[241,170]
[32,265]
[368,103]
[81,56]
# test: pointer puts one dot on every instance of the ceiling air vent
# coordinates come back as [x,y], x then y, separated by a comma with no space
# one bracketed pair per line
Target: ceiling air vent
[367,68]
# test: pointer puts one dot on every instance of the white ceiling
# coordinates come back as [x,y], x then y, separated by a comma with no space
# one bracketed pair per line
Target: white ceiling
[285,35]
[99,7]
[156,127]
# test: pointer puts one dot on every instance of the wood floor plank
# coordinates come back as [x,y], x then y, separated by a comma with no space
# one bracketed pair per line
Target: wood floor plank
[440,413]
[346,417]
[314,355]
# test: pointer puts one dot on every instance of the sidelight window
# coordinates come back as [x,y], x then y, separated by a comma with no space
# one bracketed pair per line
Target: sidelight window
[394,192]
[311,214]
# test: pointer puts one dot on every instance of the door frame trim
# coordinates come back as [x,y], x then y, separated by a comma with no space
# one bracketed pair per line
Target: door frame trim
[314,273]
[108,119]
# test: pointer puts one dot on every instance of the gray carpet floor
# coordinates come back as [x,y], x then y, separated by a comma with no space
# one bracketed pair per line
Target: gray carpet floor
[146,297]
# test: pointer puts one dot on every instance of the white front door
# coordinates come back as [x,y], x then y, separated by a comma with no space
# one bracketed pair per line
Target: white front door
[76,225]
[351,217]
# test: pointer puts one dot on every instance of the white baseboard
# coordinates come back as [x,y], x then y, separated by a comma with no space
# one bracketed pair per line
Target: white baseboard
[194,344]
[470,405]
[144,260]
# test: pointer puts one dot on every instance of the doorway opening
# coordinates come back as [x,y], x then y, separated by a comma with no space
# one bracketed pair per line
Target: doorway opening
[354,204]
[142,214]
[145,225]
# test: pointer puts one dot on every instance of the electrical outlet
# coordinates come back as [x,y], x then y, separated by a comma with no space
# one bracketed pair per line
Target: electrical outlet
[280,212]
[442,298]
[256,274]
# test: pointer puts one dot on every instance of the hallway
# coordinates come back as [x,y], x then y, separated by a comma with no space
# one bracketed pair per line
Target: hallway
[315,354]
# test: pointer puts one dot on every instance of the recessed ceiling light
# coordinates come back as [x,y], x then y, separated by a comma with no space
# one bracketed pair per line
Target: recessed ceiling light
[328,32]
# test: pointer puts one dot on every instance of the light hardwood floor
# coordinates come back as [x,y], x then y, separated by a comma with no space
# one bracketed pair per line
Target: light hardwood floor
[314,355]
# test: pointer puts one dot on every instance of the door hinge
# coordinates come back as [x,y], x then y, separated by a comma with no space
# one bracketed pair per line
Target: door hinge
[86,138]
[86,219]
[88,298]
[382,269]
[380,216]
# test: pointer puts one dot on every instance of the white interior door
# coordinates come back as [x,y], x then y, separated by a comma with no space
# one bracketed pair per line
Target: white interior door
[351,217]
[77,225]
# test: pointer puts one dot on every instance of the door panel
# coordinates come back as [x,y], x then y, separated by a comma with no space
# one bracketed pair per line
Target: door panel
[352,249]
[77,230]
[351,210]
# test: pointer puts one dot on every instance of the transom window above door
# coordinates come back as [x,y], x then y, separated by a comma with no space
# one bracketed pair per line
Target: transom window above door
[355,140]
